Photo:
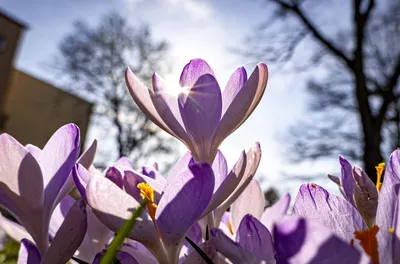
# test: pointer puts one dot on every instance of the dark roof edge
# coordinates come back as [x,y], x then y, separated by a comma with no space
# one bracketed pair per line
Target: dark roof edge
[11,18]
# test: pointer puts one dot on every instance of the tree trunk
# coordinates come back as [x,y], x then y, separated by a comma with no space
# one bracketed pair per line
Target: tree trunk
[372,154]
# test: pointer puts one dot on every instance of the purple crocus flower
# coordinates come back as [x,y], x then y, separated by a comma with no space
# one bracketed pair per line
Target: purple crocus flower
[34,181]
[381,240]
[169,216]
[201,116]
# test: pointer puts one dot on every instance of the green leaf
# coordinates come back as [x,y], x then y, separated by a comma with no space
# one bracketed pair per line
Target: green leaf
[201,252]
[112,250]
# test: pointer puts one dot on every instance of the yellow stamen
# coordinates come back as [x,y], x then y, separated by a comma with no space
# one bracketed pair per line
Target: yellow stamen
[230,227]
[146,192]
[391,230]
[379,171]
[369,242]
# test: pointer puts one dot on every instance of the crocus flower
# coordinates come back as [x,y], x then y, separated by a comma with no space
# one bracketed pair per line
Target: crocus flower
[65,242]
[33,181]
[169,216]
[201,116]
[380,241]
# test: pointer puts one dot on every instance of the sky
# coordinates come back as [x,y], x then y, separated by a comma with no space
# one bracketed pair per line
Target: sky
[194,29]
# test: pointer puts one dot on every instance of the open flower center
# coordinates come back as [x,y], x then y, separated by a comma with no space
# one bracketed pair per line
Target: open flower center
[369,242]
[147,192]
[379,171]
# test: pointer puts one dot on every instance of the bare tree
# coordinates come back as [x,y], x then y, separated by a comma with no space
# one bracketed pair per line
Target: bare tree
[352,71]
[95,59]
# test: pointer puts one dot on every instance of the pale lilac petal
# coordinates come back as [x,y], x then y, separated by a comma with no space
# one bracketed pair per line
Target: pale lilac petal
[220,168]
[56,162]
[132,178]
[200,109]
[230,249]
[228,185]
[388,209]
[35,151]
[175,213]
[242,105]
[235,83]
[253,157]
[347,179]
[193,234]
[22,188]
[13,229]
[255,238]
[365,196]
[276,212]
[124,162]
[169,98]
[139,252]
[208,247]
[315,203]
[335,179]
[184,161]
[155,108]
[113,207]
[302,241]
[81,178]
[251,201]
[28,253]
[59,214]
[87,157]
[193,71]
[115,175]
[69,236]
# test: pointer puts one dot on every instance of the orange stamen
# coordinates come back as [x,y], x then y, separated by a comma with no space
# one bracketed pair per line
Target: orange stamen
[230,227]
[369,242]
[146,192]
[379,171]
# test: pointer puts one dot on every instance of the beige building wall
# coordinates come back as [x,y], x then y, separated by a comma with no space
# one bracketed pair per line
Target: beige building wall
[36,109]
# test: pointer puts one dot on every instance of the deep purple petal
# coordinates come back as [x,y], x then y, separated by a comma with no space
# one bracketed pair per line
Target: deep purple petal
[81,178]
[315,203]
[69,236]
[220,168]
[176,212]
[132,178]
[59,214]
[230,249]
[251,201]
[242,105]
[276,212]
[347,179]
[153,173]
[123,258]
[200,109]
[193,234]
[302,241]
[255,238]
[114,175]
[235,83]
[193,71]
[28,253]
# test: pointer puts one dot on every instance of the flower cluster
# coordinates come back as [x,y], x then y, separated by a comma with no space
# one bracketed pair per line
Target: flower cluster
[66,210]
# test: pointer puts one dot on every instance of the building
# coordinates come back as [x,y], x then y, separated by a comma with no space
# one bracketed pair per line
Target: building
[31,109]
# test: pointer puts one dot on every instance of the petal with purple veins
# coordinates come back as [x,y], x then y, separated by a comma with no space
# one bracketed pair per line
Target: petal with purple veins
[276,212]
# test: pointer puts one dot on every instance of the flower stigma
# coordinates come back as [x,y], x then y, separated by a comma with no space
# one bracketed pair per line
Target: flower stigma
[379,171]
[369,242]
[147,192]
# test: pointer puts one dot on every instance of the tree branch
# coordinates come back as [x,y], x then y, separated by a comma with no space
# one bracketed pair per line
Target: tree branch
[294,8]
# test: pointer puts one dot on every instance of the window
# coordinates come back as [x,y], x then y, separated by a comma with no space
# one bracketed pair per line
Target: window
[3,43]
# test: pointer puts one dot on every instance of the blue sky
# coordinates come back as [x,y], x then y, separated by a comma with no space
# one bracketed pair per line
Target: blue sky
[205,29]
